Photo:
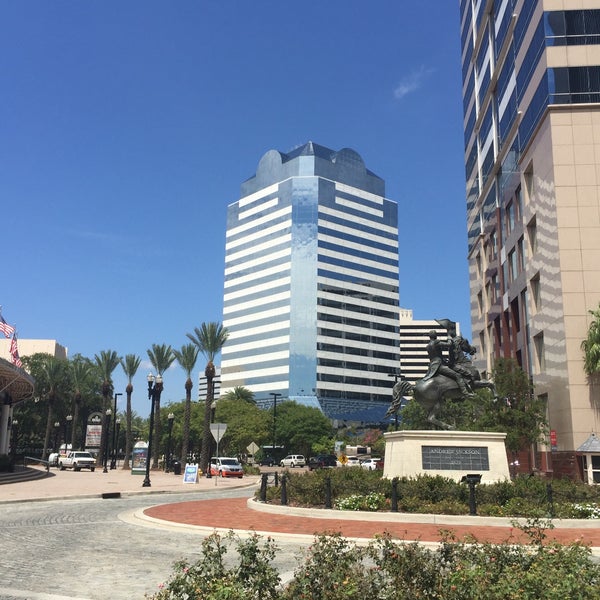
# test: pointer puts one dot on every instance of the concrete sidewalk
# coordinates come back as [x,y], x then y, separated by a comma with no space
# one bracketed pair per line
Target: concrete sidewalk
[68,484]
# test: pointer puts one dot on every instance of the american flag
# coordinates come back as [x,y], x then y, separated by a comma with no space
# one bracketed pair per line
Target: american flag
[14,352]
[5,328]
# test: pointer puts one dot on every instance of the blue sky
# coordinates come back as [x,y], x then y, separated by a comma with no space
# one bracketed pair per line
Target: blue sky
[126,128]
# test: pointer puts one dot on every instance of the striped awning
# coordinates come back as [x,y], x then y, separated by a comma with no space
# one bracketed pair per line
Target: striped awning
[15,382]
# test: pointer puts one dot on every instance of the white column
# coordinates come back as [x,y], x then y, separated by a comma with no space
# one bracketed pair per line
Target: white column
[4,431]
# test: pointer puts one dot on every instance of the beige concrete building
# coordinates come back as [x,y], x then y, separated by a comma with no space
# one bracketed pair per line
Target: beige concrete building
[531,97]
[29,347]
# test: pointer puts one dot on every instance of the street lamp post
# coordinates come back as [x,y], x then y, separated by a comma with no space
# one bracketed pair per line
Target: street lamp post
[14,426]
[56,428]
[171,417]
[113,460]
[68,436]
[155,387]
[275,396]
[116,448]
[106,436]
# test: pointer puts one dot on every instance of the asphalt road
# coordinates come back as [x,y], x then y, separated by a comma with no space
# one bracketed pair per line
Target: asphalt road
[86,548]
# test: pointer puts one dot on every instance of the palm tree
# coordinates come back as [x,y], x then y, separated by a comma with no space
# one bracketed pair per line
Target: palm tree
[187,357]
[241,394]
[591,346]
[81,375]
[161,356]
[53,370]
[130,365]
[106,363]
[209,338]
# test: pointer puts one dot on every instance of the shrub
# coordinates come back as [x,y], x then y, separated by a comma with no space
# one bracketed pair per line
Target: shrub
[371,502]
[334,568]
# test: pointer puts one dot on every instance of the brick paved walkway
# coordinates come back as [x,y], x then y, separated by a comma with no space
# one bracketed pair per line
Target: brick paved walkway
[233,513]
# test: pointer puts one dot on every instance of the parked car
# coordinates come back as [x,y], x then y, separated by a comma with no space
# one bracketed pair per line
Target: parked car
[224,466]
[267,461]
[293,460]
[372,463]
[77,460]
[353,461]
[322,461]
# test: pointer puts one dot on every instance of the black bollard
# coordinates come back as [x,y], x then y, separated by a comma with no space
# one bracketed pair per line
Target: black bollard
[276,479]
[263,487]
[327,492]
[283,490]
[394,507]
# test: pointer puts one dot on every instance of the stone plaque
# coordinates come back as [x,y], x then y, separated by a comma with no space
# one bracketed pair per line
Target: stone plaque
[455,458]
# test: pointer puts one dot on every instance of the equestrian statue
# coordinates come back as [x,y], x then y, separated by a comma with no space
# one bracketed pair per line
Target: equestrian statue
[450,377]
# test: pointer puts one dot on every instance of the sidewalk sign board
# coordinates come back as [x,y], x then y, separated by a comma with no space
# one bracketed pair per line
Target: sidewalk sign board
[190,475]
[139,456]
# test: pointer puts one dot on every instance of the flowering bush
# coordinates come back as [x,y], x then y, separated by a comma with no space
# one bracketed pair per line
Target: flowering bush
[335,568]
[586,511]
[371,502]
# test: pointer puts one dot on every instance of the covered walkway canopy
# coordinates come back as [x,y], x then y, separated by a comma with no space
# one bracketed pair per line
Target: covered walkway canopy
[15,386]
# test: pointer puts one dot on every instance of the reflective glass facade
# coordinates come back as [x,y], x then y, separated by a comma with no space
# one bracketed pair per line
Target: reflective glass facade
[311,283]
[531,101]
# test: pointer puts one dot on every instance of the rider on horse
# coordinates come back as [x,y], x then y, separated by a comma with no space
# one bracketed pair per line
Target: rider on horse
[440,366]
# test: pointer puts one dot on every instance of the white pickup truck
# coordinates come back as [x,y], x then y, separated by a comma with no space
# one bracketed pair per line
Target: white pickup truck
[77,460]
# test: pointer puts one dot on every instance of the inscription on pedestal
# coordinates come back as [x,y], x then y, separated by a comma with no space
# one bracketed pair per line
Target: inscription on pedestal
[455,458]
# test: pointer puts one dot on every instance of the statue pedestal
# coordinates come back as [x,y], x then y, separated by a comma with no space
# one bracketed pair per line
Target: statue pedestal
[452,454]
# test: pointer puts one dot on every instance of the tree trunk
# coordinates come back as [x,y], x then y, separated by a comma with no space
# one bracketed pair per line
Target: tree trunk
[48,430]
[186,420]
[128,436]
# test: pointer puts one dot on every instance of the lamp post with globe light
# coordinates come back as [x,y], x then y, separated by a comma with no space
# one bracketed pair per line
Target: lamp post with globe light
[171,418]
[155,387]
[113,460]
[106,435]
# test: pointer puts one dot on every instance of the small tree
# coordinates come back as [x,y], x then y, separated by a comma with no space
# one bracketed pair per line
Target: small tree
[591,346]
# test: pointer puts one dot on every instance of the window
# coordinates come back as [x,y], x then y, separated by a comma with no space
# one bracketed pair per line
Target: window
[521,254]
[540,358]
[528,176]
[513,266]
[535,293]
[509,218]
[532,236]
[518,203]
[493,247]
[480,303]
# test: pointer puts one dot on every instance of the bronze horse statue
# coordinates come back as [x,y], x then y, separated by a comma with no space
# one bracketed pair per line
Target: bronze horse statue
[431,393]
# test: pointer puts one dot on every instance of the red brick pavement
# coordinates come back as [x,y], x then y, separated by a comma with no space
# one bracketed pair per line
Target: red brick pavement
[233,513]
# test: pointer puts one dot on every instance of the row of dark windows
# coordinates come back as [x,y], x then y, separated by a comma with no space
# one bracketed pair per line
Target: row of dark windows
[572,27]
[366,269]
[344,320]
[366,338]
[358,279]
[343,364]
[357,351]
[356,295]
[374,230]
[348,380]
[357,308]
[359,239]
[359,254]
[343,394]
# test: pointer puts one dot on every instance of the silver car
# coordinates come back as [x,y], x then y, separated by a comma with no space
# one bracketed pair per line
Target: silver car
[293,460]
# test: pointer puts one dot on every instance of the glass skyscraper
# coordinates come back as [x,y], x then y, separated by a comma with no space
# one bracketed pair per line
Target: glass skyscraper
[531,99]
[311,284]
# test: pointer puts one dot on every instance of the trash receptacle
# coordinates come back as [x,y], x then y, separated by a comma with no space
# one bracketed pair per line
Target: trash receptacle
[176,467]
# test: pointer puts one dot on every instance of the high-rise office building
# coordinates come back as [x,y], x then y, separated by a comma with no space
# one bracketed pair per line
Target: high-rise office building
[311,284]
[531,97]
